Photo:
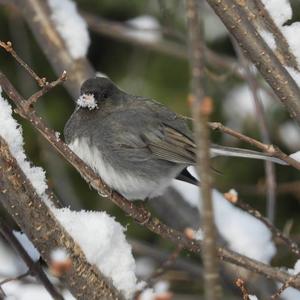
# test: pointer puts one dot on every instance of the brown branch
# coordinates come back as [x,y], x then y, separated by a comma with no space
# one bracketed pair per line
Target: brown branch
[235,19]
[286,284]
[22,202]
[272,150]
[293,246]
[34,268]
[37,16]
[142,216]
[8,47]
[46,88]
[240,283]
[201,111]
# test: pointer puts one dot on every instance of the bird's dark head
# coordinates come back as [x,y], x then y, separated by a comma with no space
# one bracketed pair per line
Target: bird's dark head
[95,91]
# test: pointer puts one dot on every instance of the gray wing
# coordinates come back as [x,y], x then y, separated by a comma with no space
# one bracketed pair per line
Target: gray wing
[143,132]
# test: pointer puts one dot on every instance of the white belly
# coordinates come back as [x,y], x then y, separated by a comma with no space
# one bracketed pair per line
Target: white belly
[130,186]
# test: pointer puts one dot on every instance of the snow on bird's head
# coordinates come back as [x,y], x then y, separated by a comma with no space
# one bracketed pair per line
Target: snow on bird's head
[88,101]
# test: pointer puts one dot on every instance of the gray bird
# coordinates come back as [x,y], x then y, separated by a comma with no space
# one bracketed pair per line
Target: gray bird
[136,145]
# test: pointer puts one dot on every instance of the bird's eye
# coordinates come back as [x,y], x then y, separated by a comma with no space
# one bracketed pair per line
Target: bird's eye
[96,95]
[105,95]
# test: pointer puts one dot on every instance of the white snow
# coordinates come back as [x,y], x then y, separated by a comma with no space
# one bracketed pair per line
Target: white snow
[59,255]
[292,33]
[27,245]
[87,100]
[237,227]
[145,266]
[289,133]
[295,155]
[16,290]
[11,264]
[12,133]
[269,38]
[71,26]
[239,106]
[291,293]
[145,28]
[252,297]
[57,135]
[159,289]
[280,10]
[294,73]
[103,241]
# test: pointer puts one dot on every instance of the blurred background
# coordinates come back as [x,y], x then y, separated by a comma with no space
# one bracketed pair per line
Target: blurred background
[152,62]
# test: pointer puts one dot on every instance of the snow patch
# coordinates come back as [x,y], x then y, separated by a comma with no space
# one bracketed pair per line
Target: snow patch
[71,26]
[103,242]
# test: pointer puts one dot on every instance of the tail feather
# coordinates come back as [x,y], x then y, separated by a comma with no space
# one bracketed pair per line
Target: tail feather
[217,150]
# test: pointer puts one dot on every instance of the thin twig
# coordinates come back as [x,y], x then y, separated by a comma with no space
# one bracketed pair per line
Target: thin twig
[287,284]
[264,132]
[8,47]
[293,246]
[272,150]
[201,110]
[46,88]
[165,265]
[21,276]
[240,283]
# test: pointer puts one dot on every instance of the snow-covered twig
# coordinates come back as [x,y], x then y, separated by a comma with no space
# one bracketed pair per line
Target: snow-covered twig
[22,202]
[236,21]
[261,18]
[38,17]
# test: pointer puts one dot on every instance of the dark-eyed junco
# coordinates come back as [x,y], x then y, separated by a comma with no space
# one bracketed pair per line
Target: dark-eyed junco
[135,144]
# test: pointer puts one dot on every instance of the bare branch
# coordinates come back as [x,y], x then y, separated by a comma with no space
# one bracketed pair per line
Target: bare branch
[8,47]
[201,112]
[21,276]
[264,132]
[272,150]
[46,88]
